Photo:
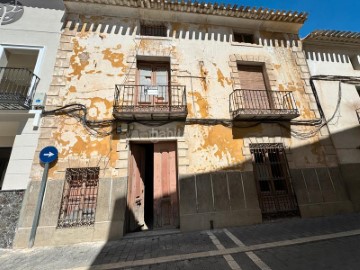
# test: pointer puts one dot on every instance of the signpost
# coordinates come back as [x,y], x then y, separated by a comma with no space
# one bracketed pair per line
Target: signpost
[48,155]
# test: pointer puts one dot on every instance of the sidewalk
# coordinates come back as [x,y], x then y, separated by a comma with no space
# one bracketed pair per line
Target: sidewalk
[232,248]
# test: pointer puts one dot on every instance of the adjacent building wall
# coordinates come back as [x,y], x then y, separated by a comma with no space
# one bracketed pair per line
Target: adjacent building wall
[334,59]
[38,28]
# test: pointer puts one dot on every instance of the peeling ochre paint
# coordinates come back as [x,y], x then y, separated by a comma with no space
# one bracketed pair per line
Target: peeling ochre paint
[202,104]
[92,72]
[221,78]
[72,89]
[190,110]
[84,33]
[145,44]
[103,107]
[79,60]
[73,140]
[221,139]
[203,74]
[116,59]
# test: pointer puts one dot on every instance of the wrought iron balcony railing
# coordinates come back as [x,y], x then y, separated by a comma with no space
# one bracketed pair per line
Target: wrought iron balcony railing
[358,114]
[17,88]
[262,105]
[150,102]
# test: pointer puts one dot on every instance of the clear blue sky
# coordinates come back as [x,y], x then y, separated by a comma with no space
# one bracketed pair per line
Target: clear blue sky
[323,14]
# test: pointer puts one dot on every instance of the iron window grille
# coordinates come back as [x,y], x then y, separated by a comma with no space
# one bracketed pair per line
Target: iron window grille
[276,196]
[78,205]
[153,30]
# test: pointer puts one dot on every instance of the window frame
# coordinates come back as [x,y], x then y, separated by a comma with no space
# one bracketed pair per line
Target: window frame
[153,65]
[243,37]
[72,203]
[153,28]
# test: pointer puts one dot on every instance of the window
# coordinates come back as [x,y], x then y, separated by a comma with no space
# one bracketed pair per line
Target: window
[252,80]
[78,203]
[270,167]
[272,179]
[153,30]
[251,77]
[244,38]
[17,79]
[153,78]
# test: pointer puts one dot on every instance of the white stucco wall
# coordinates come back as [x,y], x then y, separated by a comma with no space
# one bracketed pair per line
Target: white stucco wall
[39,28]
[344,128]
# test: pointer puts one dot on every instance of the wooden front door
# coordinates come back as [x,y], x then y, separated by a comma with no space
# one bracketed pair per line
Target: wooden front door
[165,185]
[152,170]
[136,189]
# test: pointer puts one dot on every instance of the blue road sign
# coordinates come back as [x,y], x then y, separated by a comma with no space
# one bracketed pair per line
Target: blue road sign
[48,154]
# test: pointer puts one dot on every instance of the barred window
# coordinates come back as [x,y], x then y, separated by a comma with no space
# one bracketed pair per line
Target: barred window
[78,203]
[153,30]
[243,38]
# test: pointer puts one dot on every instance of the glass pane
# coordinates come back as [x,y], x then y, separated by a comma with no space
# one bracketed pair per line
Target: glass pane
[145,76]
[161,77]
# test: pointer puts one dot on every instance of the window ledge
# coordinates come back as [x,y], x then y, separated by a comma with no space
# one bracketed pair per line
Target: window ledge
[138,37]
[243,44]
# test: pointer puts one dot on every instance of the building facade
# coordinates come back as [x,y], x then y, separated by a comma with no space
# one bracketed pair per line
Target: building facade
[179,115]
[29,38]
[28,48]
[334,63]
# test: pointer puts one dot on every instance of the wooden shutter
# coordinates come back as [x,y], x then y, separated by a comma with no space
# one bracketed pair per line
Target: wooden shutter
[251,77]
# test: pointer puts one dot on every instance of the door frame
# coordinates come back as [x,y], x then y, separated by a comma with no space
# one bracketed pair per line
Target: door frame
[290,193]
[147,141]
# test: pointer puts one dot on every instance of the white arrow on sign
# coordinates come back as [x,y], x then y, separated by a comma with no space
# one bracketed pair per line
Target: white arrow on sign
[50,154]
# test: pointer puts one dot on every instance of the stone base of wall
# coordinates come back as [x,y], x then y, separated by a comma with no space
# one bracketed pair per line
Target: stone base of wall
[351,175]
[10,206]
[209,200]
[218,199]
[320,191]
[109,218]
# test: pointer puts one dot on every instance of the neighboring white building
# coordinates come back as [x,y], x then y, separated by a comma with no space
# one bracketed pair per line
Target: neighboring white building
[335,57]
[29,38]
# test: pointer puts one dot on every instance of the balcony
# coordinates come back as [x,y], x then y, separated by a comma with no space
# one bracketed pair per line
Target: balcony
[17,88]
[262,105]
[146,102]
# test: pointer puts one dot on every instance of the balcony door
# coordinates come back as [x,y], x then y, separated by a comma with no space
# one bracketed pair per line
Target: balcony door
[153,83]
[252,81]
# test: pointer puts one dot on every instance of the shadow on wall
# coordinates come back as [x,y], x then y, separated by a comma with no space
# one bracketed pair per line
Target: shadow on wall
[229,197]
[108,25]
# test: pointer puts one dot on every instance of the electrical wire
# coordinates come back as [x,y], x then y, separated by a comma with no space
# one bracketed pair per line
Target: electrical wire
[96,127]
